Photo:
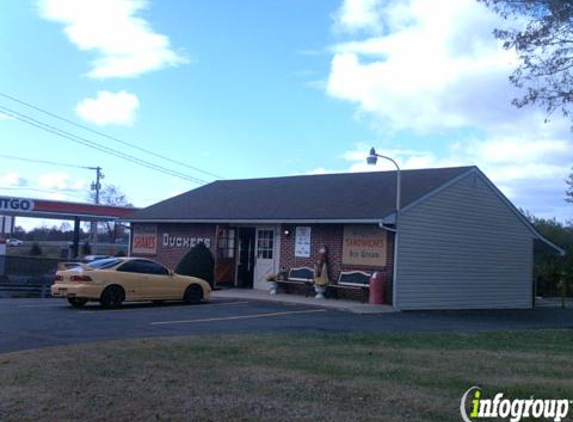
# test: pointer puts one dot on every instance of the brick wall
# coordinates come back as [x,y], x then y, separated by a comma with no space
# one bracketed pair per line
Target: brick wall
[328,235]
[171,255]
[331,236]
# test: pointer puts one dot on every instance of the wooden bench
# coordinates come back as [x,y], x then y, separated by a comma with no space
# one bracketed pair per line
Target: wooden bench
[303,276]
[351,280]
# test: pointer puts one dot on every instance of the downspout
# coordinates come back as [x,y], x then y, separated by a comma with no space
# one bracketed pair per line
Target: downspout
[395,260]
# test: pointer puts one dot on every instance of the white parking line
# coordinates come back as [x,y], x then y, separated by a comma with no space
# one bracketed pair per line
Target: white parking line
[126,310]
[40,306]
[233,318]
[230,303]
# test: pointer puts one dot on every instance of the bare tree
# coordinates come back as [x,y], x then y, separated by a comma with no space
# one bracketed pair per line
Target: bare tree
[112,195]
[543,40]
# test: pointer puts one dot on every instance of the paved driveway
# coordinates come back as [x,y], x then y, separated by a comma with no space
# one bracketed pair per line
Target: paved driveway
[33,323]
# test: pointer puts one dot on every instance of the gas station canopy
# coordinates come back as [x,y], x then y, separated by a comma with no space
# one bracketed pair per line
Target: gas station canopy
[61,210]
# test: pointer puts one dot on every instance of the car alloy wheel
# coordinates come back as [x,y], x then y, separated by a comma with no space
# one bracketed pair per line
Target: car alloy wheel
[112,297]
[193,294]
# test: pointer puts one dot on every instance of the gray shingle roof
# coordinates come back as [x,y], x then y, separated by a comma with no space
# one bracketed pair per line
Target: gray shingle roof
[348,196]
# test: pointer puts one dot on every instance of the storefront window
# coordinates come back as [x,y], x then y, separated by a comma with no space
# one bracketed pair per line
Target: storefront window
[226,243]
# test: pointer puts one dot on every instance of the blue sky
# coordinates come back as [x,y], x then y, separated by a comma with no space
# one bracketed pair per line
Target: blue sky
[256,89]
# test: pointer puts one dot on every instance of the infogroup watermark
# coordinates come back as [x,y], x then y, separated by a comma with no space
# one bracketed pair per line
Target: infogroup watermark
[475,407]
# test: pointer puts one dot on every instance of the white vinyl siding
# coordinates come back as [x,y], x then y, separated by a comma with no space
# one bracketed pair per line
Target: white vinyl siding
[464,248]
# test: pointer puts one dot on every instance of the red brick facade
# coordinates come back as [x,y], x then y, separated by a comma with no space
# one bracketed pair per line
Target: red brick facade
[170,255]
[329,235]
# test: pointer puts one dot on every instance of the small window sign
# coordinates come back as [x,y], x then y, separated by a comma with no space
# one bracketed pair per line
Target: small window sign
[302,242]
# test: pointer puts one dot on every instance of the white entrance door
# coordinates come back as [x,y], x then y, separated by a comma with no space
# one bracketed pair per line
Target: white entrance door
[265,255]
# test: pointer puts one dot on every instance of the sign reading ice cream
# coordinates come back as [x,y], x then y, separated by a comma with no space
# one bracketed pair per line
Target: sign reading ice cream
[144,239]
[364,245]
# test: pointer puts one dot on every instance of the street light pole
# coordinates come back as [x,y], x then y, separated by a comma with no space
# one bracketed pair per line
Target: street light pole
[372,160]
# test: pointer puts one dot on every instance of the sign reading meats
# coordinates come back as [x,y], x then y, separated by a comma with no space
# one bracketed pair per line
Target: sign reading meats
[144,239]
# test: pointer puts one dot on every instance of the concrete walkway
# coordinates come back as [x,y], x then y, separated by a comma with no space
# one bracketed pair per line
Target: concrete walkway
[553,302]
[341,305]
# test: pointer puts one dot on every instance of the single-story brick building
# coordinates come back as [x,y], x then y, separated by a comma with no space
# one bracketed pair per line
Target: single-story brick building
[461,243]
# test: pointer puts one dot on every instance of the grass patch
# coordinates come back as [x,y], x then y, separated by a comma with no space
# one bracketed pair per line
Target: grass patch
[290,377]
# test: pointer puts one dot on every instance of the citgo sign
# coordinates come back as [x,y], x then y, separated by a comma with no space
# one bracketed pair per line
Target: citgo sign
[16,204]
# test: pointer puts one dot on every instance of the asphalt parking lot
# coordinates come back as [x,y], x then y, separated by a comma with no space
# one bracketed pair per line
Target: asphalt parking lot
[34,323]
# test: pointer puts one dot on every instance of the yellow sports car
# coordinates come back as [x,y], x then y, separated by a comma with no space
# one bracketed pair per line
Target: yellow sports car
[113,281]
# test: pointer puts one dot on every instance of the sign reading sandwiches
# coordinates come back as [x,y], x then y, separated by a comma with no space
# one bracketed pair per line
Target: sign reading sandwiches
[364,245]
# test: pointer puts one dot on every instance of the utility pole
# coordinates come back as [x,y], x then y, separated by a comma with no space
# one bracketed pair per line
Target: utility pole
[96,186]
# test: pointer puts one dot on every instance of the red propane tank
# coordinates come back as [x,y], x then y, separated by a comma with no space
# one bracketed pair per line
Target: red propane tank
[376,289]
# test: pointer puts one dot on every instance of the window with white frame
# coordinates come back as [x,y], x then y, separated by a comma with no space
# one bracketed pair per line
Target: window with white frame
[265,243]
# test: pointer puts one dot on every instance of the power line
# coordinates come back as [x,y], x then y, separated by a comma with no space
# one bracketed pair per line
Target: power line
[63,119]
[27,188]
[86,142]
[95,186]
[32,160]
[91,144]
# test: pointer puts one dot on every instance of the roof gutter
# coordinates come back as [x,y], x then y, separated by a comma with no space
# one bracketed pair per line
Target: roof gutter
[251,221]
[559,250]
[51,215]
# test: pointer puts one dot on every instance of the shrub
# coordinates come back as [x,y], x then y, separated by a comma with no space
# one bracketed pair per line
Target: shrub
[35,250]
[198,262]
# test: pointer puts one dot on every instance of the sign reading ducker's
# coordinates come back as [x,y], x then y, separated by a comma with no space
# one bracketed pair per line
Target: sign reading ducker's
[16,204]
[364,245]
[184,241]
[145,239]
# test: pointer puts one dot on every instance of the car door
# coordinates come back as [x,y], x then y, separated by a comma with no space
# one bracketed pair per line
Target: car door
[161,283]
[133,277]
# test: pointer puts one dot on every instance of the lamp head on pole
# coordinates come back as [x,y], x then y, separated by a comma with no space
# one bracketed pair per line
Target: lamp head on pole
[372,158]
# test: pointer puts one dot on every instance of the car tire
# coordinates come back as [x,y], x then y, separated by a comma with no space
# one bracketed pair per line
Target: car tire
[193,294]
[112,297]
[77,302]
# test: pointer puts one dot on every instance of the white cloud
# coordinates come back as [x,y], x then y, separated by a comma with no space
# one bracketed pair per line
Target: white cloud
[429,70]
[109,108]
[433,68]
[308,52]
[12,179]
[61,181]
[57,186]
[357,15]
[125,43]
[535,185]
[319,170]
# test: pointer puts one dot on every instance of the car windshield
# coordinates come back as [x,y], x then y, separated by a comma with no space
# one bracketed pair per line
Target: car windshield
[104,263]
